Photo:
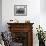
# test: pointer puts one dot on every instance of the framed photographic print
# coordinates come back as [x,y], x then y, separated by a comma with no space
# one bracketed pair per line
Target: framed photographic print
[20,10]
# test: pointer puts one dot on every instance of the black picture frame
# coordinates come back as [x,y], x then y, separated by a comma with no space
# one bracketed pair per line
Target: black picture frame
[20,10]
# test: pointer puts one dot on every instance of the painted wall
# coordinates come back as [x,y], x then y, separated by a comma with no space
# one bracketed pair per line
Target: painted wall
[43,14]
[33,11]
[0,15]
[43,6]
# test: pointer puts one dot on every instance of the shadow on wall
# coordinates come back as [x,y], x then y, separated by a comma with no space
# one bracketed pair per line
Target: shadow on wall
[0,15]
[43,6]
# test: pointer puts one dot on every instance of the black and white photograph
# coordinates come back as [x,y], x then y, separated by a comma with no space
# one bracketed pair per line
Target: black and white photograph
[20,10]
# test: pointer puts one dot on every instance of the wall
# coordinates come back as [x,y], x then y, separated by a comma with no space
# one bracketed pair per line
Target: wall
[43,6]
[0,15]
[33,10]
[43,14]
[33,14]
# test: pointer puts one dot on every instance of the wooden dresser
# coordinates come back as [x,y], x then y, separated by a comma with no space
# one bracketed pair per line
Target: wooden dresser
[22,33]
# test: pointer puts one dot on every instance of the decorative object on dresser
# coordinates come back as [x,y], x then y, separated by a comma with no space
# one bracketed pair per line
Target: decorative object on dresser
[22,33]
[20,10]
[13,21]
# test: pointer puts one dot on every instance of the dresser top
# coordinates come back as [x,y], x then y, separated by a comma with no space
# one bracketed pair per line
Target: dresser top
[19,23]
